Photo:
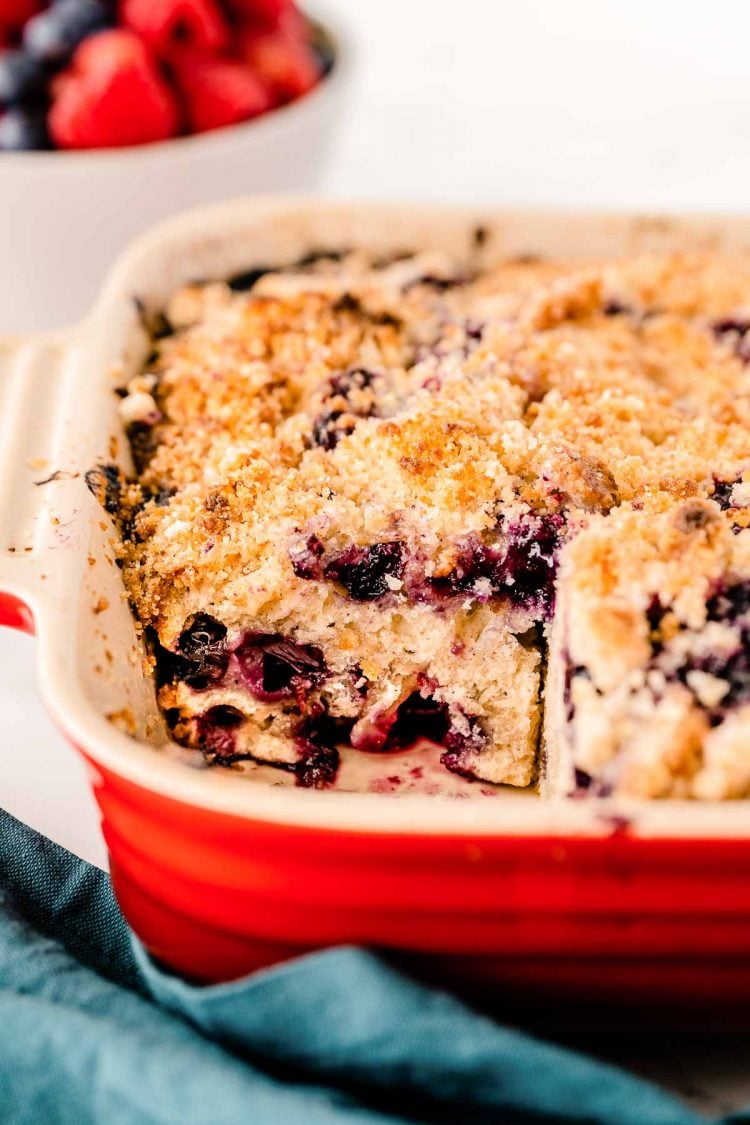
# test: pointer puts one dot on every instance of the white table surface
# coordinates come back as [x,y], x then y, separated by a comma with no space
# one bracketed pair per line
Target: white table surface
[591,102]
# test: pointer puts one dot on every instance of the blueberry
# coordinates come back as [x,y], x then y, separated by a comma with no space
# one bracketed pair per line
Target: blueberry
[201,635]
[616,308]
[305,557]
[340,416]
[54,34]
[201,646]
[276,668]
[142,440]
[318,759]
[216,731]
[526,572]
[363,571]
[105,482]
[730,606]
[460,745]
[582,779]
[521,567]
[418,717]
[22,130]
[242,282]
[21,77]
[735,332]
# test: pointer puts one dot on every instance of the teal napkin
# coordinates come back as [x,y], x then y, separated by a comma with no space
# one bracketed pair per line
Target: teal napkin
[91,1030]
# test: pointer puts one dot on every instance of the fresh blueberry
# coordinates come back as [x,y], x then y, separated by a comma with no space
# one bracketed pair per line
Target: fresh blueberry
[21,77]
[54,34]
[22,130]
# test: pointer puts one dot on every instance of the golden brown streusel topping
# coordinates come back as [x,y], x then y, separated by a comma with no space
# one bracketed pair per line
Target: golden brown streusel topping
[538,386]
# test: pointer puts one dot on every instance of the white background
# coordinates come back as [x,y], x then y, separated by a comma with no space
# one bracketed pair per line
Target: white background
[607,103]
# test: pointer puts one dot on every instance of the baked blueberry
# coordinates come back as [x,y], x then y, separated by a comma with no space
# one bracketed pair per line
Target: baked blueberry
[276,668]
[364,572]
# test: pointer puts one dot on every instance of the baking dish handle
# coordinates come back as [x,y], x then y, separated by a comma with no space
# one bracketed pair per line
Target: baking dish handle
[33,372]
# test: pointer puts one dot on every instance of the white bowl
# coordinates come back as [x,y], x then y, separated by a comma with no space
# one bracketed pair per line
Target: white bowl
[64,216]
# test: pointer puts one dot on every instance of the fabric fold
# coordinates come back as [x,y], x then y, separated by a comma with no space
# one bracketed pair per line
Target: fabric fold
[95,1031]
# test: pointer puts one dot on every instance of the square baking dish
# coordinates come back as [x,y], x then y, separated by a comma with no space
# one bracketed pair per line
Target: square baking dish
[598,901]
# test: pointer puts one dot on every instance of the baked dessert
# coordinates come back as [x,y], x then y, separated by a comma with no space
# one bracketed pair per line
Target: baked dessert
[355,482]
[650,651]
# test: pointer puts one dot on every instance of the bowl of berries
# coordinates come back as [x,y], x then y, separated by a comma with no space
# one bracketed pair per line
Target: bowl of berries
[115,113]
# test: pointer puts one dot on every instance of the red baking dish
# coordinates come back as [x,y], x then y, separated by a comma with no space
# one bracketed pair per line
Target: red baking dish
[558,900]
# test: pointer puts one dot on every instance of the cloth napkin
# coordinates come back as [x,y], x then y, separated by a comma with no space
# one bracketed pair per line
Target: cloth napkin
[92,1030]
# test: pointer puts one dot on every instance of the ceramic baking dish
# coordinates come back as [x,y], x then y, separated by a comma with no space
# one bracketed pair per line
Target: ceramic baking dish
[219,874]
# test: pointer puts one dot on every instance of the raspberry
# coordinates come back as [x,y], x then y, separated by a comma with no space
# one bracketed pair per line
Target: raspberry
[177,25]
[219,92]
[286,63]
[266,13]
[112,95]
[15,13]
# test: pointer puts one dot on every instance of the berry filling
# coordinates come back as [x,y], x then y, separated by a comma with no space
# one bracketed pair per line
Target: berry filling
[735,333]
[105,483]
[316,740]
[306,558]
[461,743]
[521,568]
[350,397]
[216,731]
[418,716]
[318,765]
[572,672]
[276,668]
[730,606]
[723,495]
[422,716]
